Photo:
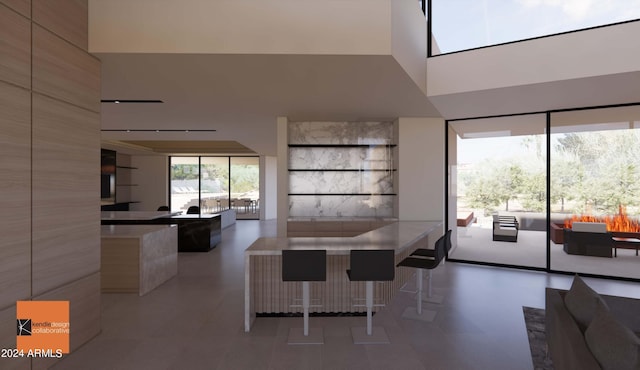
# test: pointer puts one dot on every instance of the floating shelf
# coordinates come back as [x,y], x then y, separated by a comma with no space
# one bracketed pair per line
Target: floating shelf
[340,145]
[342,194]
[338,170]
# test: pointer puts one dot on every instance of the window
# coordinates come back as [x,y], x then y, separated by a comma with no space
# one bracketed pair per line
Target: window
[216,184]
[467,24]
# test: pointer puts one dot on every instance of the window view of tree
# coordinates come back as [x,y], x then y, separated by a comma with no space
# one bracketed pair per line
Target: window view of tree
[245,178]
[515,179]
[597,172]
[216,184]
[512,182]
[591,173]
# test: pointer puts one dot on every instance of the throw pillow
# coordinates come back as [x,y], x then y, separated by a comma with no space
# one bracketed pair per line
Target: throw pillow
[614,345]
[581,302]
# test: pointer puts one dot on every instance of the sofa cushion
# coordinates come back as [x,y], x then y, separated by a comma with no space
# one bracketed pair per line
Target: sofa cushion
[581,301]
[589,227]
[615,346]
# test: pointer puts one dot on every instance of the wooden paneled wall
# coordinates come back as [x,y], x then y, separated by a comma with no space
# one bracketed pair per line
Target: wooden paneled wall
[49,160]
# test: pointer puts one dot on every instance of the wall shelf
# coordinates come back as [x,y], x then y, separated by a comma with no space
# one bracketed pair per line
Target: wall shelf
[343,194]
[127,167]
[338,170]
[348,172]
[341,145]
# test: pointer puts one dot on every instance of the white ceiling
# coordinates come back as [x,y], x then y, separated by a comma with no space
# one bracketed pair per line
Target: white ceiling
[240,96]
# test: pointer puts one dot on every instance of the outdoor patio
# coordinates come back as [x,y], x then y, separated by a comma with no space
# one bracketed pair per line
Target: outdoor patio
[473,243]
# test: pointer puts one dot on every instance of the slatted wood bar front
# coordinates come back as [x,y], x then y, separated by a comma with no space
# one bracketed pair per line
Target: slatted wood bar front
[265,292]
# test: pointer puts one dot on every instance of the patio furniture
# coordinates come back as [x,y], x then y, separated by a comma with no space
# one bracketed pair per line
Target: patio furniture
[588,239]
[505,228]
[464,218]
[625,243]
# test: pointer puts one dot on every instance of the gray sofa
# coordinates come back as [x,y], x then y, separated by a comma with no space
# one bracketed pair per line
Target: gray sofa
[591,331]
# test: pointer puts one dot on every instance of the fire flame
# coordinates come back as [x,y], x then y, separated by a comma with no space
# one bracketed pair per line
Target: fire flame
[620,222]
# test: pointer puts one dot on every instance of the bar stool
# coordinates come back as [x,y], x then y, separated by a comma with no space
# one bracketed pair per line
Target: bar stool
[430,253]
[421,263]
[304,266]
[369,266]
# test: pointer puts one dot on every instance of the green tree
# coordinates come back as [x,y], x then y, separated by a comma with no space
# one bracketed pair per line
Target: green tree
[511,179]
[491,185]
[184,172]
[244,178]
[609,162]
[565,177]
[534,191]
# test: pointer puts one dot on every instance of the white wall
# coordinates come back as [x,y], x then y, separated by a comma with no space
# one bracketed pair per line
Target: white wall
[152,177]
[355,27]
[409,40]
[269,200]
[421,169]
[596,52]
[282,176]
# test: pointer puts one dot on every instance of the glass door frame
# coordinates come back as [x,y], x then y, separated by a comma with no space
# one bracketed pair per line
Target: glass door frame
[548,268]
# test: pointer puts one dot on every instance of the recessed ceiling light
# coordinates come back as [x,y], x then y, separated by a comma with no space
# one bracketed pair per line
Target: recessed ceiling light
[155,130]
[118,101]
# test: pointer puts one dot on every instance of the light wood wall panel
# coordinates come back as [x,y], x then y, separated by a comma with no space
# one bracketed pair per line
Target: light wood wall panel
[8,340]
[66,18]
[84,312]
[15,190]
[21,6]
[64,71]
[66,164]
[15,48]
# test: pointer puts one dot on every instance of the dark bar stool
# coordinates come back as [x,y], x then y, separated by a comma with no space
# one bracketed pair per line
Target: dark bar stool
[369,266]
[430,253]
[304,266]
[422,263]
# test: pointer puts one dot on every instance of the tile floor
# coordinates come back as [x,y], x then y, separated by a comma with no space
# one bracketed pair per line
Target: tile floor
[474,244]
[194,321]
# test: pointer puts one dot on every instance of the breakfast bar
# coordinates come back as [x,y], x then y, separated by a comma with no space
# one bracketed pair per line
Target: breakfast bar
[266,293]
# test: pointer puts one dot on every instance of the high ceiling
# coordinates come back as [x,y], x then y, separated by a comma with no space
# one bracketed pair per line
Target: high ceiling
[240,97]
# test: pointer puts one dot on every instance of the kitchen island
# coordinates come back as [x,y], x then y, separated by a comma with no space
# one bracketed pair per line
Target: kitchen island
[266,293]
[137,258]
[196,232]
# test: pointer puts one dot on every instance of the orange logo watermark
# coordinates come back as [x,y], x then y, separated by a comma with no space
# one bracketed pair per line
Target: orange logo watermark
[42,326]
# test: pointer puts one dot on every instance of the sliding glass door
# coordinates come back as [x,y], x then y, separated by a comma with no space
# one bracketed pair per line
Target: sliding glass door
[245,186]
[216,184]
[497,190]
[595,178]
[588,221]
[184,180]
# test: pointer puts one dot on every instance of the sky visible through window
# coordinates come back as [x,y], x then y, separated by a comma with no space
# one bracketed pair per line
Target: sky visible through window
[466,24]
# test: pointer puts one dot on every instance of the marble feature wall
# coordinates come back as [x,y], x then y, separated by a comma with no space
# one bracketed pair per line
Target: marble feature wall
[341,133]
[341,169]
[341,206]
[341,158]
[351,182]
